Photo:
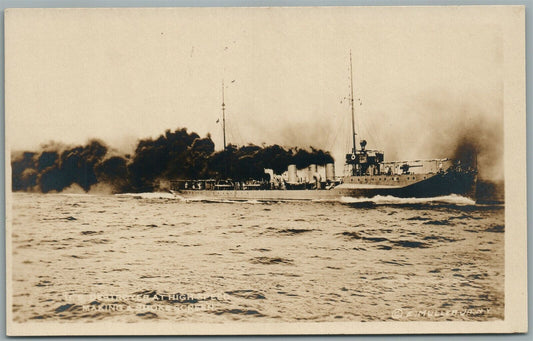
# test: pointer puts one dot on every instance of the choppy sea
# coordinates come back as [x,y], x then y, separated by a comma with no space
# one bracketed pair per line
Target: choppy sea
[133,257]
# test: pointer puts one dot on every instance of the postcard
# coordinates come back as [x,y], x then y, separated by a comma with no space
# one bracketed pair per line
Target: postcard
[302,170]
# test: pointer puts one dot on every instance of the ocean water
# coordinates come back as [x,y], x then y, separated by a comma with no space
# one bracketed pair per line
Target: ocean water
[129,258]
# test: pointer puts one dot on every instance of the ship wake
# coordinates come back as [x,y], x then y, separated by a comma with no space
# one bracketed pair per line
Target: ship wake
[149,195]
[452,199]
[448,200]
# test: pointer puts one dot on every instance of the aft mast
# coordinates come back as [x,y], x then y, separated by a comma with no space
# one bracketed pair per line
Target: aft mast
[224,132]
[223,116]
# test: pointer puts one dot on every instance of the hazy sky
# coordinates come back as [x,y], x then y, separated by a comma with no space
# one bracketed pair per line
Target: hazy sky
[424,76]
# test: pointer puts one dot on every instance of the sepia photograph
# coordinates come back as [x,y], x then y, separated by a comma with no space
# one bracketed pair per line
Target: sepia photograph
[283,170]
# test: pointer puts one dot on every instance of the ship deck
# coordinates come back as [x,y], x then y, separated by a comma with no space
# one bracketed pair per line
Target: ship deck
[406,185]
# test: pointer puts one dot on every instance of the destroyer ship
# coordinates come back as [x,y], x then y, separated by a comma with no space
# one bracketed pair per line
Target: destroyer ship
[366,175]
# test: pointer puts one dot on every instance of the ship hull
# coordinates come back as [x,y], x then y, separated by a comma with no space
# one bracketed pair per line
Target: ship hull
[429,186]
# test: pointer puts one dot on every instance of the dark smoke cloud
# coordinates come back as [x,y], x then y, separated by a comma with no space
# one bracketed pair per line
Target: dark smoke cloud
[57,167]
[173,155]
[23,166]
[249,162]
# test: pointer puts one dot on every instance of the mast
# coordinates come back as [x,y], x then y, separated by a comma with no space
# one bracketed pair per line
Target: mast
[353,115]
[224,116]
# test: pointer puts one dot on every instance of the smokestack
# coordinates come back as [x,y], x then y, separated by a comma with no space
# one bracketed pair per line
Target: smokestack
[271,173]
[312,169]
[330,172]
[293,178]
